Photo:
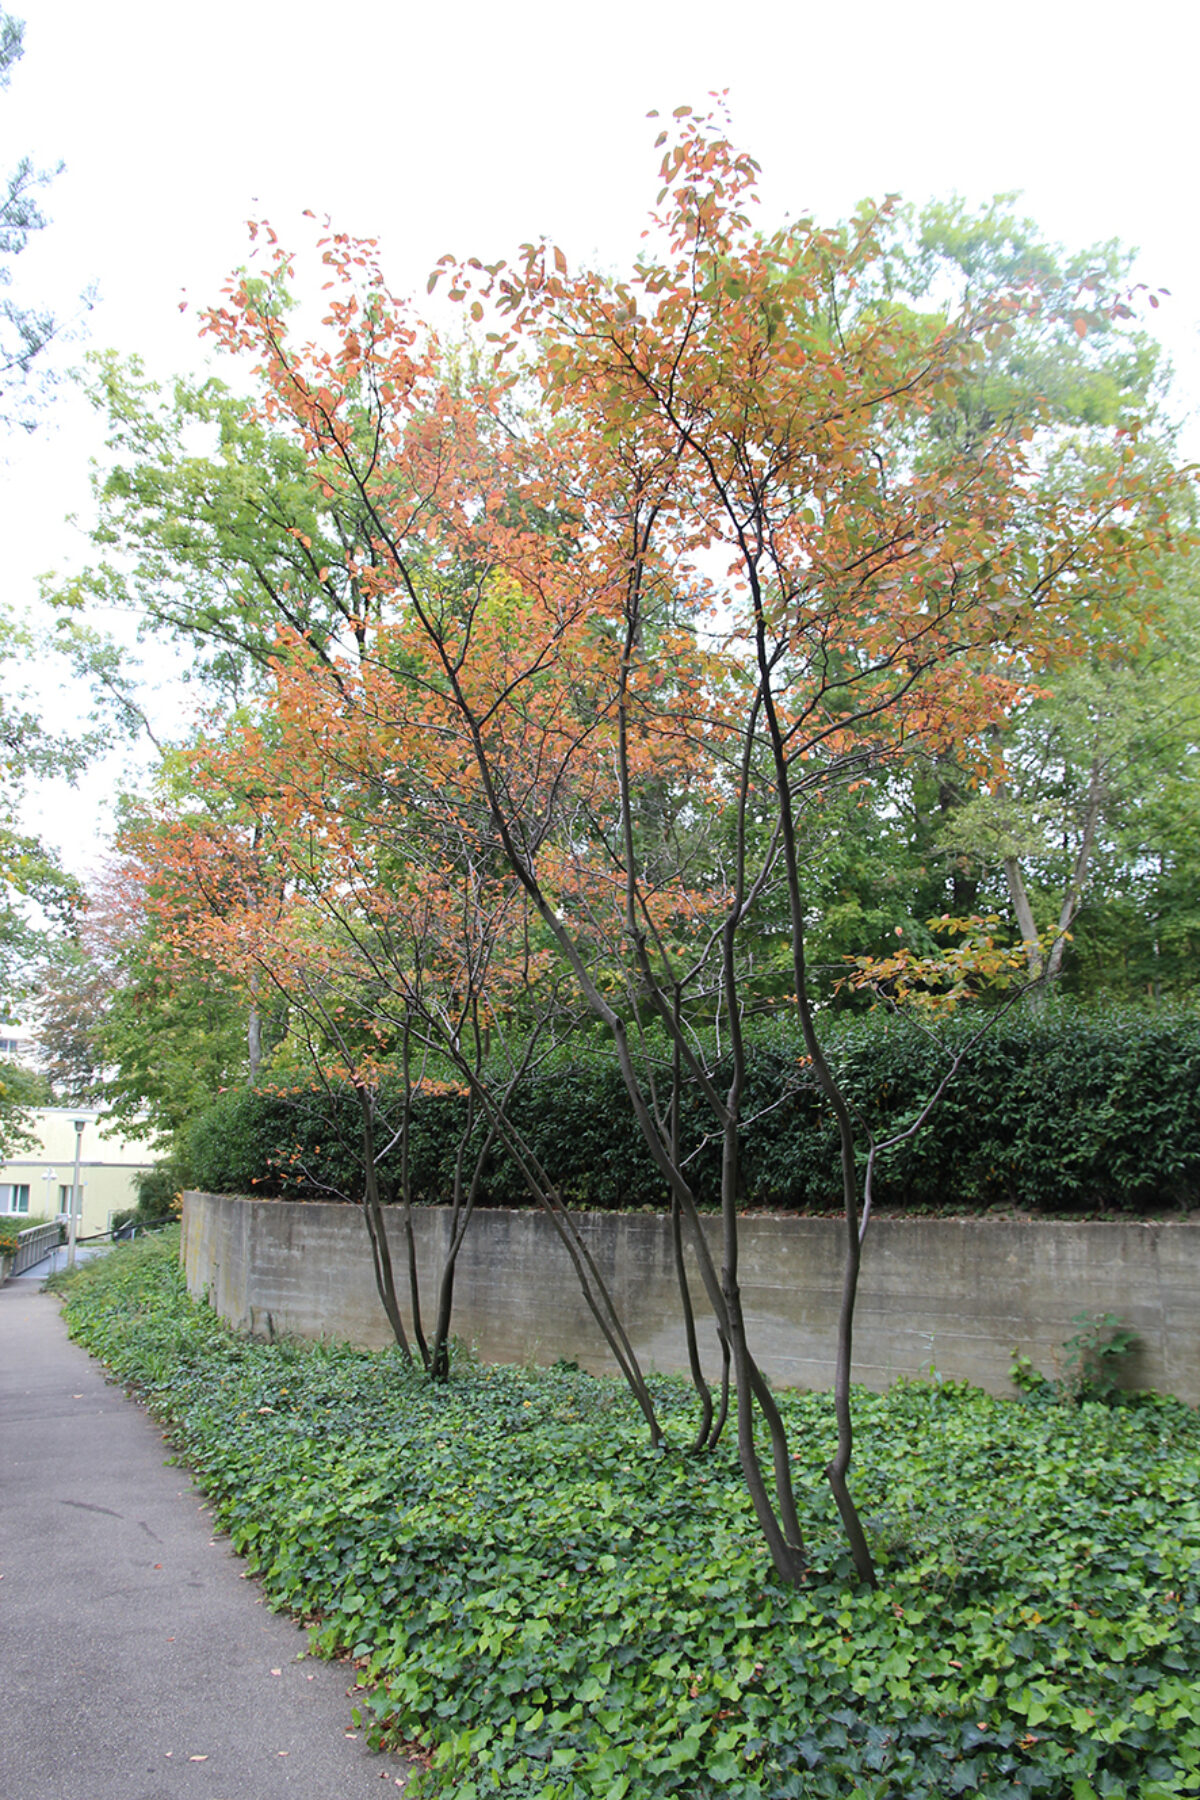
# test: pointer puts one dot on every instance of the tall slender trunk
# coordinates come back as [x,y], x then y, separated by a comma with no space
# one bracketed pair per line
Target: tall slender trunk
[1073,897]
[385,1280]
[254,1034]
[708,1431]
[837,1469]
[410,1241]
[1039,964]
[460,1217]
[594,1288]
[1035,962]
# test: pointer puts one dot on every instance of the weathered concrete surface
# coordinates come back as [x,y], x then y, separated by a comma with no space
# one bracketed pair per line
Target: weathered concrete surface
[957,1295]
[139,1663]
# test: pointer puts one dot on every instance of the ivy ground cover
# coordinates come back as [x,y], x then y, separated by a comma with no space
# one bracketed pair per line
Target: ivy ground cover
[553,1610]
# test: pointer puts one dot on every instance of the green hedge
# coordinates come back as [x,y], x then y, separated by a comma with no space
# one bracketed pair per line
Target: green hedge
[1067,1110]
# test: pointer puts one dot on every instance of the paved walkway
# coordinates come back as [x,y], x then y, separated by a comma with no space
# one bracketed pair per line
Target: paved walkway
[137,1662]
[56,1259]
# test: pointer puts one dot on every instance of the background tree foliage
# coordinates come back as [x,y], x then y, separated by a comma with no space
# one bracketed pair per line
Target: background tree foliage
[37,898]
[24,330]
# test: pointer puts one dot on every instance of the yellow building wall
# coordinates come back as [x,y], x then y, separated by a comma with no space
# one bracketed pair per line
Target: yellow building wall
[107,1166]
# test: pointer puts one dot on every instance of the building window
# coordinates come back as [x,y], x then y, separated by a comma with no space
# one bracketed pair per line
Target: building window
[14,1197]
[64,1200]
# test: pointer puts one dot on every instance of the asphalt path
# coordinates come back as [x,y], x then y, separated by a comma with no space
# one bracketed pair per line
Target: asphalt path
[138,1661]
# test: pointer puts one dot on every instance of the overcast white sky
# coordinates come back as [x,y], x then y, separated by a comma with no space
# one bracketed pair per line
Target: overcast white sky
[472,127]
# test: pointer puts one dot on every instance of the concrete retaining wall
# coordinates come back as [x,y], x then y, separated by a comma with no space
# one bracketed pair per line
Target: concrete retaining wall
[957,1295]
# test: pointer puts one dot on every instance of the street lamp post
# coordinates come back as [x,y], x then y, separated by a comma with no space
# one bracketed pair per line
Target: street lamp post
[75,1208]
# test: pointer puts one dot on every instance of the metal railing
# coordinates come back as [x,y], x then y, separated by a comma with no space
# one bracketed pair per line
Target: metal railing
[34,1244]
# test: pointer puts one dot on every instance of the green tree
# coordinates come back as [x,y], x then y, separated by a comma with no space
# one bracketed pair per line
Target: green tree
[127,1019]
[25,330]
[1084,833]
[214,536]
[37,897]
[21,1089]
[1089,831]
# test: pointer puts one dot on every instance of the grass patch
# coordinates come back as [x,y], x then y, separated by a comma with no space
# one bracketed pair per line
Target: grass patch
[557,1612]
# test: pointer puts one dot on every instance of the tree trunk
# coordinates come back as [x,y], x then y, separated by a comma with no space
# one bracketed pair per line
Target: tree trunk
[385,1281]
[1034,960]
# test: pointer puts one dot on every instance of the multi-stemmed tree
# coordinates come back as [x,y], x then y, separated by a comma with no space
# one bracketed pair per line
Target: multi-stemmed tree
[665,566]
[552,667]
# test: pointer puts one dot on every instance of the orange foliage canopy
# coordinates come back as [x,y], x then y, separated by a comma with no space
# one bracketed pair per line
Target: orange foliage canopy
[709,532]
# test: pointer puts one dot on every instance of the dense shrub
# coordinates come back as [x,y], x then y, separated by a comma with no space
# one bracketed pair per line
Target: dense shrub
[158,1190]
[1070,1109]
[560,1613]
